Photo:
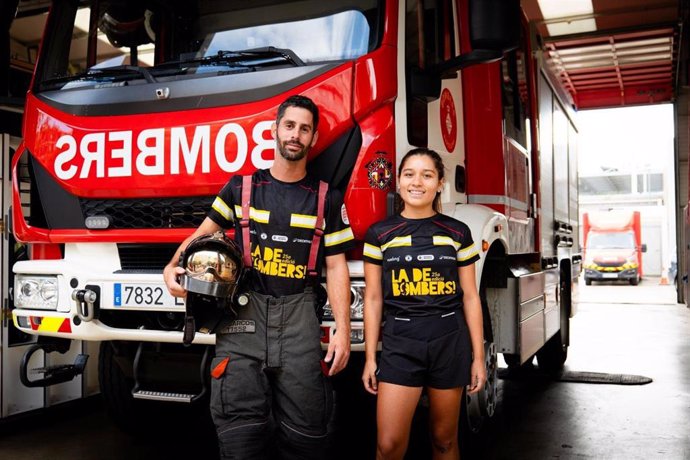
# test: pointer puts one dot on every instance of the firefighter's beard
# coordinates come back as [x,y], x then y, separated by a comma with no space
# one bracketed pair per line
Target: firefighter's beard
[292,155]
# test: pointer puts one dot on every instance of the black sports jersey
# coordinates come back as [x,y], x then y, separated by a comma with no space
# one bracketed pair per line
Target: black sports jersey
[420,260]
[282,217]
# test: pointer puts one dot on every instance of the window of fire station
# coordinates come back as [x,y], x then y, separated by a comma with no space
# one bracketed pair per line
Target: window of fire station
[429,40]
[515,98]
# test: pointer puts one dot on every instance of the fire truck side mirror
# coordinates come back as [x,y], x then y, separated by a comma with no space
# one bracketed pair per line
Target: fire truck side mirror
[423,85]
[494,30]
[494,25]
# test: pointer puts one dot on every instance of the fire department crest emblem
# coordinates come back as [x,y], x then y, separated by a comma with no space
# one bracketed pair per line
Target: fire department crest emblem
[380,173]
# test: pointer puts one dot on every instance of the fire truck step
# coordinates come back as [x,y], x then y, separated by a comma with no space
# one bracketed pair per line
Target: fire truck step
[53,374]
[163,396]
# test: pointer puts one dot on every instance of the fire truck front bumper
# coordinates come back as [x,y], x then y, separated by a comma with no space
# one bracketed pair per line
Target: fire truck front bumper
[67,326]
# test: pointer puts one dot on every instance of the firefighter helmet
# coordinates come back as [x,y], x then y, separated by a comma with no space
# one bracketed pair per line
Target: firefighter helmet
[213,266]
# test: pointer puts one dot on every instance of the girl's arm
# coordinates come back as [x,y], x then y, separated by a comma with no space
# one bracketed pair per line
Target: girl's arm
[472,308]
[373,312]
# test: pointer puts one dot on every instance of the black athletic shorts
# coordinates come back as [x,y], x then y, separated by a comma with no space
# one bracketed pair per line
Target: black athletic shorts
[433,351]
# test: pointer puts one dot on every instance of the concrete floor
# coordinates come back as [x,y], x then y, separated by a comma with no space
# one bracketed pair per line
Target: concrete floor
[618,329]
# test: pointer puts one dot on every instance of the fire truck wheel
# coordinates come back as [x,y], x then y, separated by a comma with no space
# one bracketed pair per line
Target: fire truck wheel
[553,354]
[116,390]
[588,281]
[634,281]
[479,407]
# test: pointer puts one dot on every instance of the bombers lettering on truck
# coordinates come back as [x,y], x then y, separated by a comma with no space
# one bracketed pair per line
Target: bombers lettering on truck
[161,151]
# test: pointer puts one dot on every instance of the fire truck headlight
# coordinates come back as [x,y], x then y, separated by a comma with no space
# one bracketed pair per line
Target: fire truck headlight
[357,300]
[36,292]
[356,303]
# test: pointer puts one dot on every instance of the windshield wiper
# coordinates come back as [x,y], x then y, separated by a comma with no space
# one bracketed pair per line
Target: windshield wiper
[238,57]
[104,73]
[121,70]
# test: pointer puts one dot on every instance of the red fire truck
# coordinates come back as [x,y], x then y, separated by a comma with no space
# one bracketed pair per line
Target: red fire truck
[140,111]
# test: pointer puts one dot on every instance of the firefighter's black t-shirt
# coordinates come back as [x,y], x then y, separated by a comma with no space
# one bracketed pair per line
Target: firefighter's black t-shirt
[282,220]
[420,260]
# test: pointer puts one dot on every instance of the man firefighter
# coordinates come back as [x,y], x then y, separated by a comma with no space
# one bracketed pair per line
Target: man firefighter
[267,374]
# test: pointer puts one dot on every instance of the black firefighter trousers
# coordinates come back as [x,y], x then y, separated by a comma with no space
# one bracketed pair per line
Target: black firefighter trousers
[272,388]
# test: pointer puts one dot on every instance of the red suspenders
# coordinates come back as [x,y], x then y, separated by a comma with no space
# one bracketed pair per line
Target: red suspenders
[244,222]
[318,228]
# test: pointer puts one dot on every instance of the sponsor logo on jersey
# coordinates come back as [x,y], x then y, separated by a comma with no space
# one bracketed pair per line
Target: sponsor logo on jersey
[279,238]
[425,257]
[264,236]
[301,240]
[446,258]
[393,259]
[408,258]
[420,281]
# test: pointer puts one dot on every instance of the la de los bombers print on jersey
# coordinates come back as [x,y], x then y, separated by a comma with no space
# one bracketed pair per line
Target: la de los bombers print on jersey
[420,260]
[282,217]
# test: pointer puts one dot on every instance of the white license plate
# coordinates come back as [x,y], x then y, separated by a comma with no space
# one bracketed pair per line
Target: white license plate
[609,275]
[144,295]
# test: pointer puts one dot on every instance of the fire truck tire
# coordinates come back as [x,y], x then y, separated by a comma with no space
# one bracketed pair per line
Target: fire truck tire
[553,354]
[588,281]
[478,408]
[116,390]
[634,281]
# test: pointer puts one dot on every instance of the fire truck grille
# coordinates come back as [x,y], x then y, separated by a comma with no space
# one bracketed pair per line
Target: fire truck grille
[174,212]
[145,257]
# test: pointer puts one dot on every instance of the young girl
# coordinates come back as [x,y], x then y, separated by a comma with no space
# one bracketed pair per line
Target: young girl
[419,265]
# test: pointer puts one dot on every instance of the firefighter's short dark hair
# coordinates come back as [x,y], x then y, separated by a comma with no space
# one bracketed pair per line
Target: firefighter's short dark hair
[301,102]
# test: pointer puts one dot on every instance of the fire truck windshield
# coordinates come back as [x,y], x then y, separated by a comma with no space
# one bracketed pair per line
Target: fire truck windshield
[133,42]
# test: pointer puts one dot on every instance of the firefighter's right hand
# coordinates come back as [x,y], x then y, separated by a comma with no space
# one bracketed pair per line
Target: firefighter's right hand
[171,275]
[369,377]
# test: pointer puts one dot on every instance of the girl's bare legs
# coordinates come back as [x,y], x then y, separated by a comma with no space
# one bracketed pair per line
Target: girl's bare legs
[444,414]
[395,408]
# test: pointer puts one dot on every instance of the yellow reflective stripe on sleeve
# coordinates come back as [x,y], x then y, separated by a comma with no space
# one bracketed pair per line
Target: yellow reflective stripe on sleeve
[440,240]
[373,251]
[222,208]
[302,221]
[397,242]
[257,215]
[331,239]
[467,253]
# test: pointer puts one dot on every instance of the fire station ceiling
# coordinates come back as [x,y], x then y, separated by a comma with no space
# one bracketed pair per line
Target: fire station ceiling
[610,53]
[607,53]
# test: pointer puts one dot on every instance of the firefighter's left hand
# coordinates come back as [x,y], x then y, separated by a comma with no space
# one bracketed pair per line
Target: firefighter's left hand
[478,376]
[338,352]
